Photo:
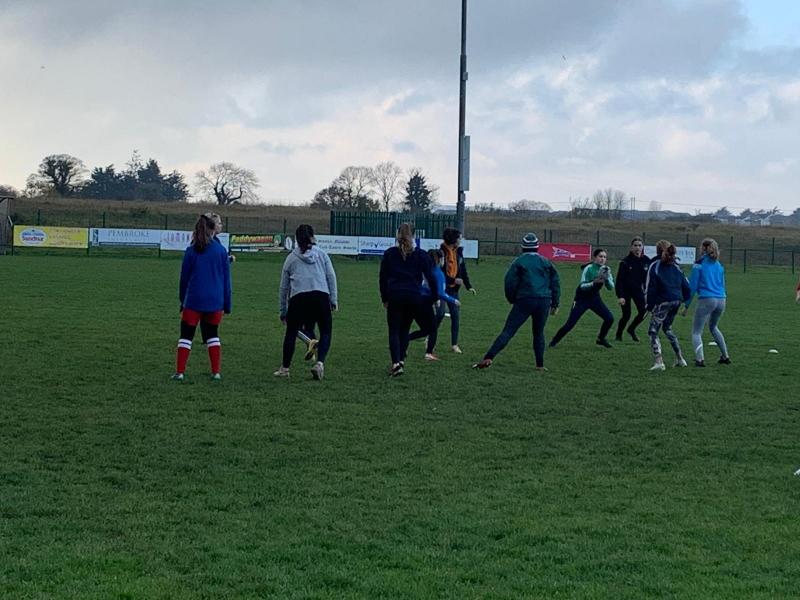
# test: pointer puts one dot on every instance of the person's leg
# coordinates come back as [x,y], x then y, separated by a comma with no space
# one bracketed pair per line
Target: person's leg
[394,317]
[623,320]
[641,312]
[540,309]
[599,308]
[209,329]
[702,312]
[656,321]
[455,318]
[427,325]
[294,321]
[516,317]
[575,315]
[716,315]
[324,320]
[189,321]
[412,307]
[667,325]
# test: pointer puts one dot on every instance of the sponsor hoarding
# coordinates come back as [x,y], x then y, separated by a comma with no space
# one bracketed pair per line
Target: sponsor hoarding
[338,244]
[50,237]
[580,253]
[149,238]
[686,254]
[268,242]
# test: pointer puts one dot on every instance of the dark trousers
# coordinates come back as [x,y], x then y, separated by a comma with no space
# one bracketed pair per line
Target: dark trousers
[428,327]
[401,312]
[593,303]
[636,298]
[305,311]
[455,315]
[535,308]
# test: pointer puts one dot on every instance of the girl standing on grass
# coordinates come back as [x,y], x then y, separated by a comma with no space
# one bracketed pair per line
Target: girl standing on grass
[430,327]
[666,289]
[594,277]
[402,268]
[308,293]
[455,272]
[708,282]
[205,294]
[631,278]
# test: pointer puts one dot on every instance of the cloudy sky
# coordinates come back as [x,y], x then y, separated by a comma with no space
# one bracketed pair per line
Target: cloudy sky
[687,103]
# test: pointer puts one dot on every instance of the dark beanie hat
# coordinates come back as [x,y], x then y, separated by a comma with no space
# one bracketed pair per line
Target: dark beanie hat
[530,241]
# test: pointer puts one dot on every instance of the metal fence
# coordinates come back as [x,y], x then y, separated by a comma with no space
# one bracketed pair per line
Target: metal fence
[385,224]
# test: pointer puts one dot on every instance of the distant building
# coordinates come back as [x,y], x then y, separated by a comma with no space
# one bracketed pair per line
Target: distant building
[444,209]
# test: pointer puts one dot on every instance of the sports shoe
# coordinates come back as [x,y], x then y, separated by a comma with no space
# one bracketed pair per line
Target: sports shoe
[633,335]
[680,362]
[216,377]
[699,363]
[177,377]
[430,356]
[311,349]
[318,371]
[282,372]
[552,344]
[617,338]
[725,360]
[603,342]
[396,370]
[658,367]
[456,349]
[484,364]
[542,369]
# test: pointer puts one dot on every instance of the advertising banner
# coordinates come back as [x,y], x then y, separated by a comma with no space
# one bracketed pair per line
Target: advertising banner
[580,253]
[51,237]
[148,238]
[272,242]
[374,246]
[338,244]
[180,240]
[470,246]
[685,256]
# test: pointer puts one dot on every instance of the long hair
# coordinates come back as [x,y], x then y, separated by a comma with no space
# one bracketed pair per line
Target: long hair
[436,255]
[669,255]
[305,237]
[203,233]
[405,239]
[661,245]
[216,218]
[711,248]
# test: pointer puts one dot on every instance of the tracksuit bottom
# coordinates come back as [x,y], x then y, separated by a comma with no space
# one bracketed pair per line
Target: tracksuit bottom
[306,310]
[662,318]
[637,299]
[593,303]
[401,312]
[537,309]
[709,310]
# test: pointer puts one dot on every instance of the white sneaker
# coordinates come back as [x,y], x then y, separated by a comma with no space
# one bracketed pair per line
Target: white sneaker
[680,362]
[177,377]
[658,367]
[318,371]
[282,372]
[457,350]
[430,356]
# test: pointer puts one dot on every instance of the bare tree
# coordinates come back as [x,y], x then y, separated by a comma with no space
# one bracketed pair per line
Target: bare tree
[357,181]
[227,184]
[7,191]
[609,203]
[580,208]
[59,173]
[528,206]
[386,181]
[654,206]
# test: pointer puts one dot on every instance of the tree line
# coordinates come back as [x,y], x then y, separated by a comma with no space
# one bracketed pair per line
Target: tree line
[382,187]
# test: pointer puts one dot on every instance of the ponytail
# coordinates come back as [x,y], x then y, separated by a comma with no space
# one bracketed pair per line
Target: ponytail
[710,248]
[405,240]
[670,255]
[304,235]
[203,233]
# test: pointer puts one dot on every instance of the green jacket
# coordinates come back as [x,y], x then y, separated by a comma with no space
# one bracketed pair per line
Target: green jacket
[588,286]
[532,276]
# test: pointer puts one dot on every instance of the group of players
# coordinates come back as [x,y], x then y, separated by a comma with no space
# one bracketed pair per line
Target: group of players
[422,287]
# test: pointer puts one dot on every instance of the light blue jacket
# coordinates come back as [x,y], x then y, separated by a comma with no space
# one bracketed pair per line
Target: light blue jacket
[707,279]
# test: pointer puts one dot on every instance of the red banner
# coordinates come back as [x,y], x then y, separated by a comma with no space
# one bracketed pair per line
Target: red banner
[580,253]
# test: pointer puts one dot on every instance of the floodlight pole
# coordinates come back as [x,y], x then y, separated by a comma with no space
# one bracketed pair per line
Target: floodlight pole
[463,140]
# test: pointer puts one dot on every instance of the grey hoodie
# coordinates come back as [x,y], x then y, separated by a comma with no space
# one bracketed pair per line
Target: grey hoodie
[309,272]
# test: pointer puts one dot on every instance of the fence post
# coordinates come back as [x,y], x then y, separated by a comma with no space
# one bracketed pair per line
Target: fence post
[38,216]
[731,249]
[284,227]
[12,238]
[598,238]
[644,238]
[772,258]
[687,238]
[744,260]
[228,224]
[166,221]
[792,262]
[104,219]
[495,240]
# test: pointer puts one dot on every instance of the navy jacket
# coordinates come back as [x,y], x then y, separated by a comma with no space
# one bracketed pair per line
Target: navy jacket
[632,276]
[461,269]
[401,277]
[206,279]
[666,283]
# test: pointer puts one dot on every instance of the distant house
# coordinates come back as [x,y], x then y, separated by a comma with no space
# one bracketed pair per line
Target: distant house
[654,215]
[444,209]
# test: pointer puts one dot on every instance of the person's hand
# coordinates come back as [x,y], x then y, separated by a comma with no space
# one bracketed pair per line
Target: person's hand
[283,319]
[386,305]
[180,308]
[797,297]
[438,303]
[473,291]
[457,302]
[553,311]
[232,258]
[227,312]
[622,301]
[459,281]
[685,311]
[335,307]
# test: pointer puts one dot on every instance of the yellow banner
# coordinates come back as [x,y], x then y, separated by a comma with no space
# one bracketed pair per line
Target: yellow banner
[31,236]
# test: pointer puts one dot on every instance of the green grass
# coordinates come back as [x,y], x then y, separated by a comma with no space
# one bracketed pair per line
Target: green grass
[597,479]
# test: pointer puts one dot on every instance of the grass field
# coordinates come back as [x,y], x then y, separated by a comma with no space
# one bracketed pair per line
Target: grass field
[596,479]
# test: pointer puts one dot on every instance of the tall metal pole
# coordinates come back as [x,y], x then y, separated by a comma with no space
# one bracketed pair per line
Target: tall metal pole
[463,166]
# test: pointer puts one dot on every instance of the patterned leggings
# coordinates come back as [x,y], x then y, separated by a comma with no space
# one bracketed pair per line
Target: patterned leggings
[662,318]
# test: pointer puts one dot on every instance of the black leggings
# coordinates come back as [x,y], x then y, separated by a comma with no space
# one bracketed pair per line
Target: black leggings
[401,312]
[305,310]
[428,327]
[637,298]
[207,331]
[593,303]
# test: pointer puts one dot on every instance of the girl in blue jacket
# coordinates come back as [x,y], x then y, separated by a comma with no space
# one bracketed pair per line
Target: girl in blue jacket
[205,294]
[430,328]
[708,282]
[665,290]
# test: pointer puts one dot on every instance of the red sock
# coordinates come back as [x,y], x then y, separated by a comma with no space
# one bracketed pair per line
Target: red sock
[214,354]
[184,349]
